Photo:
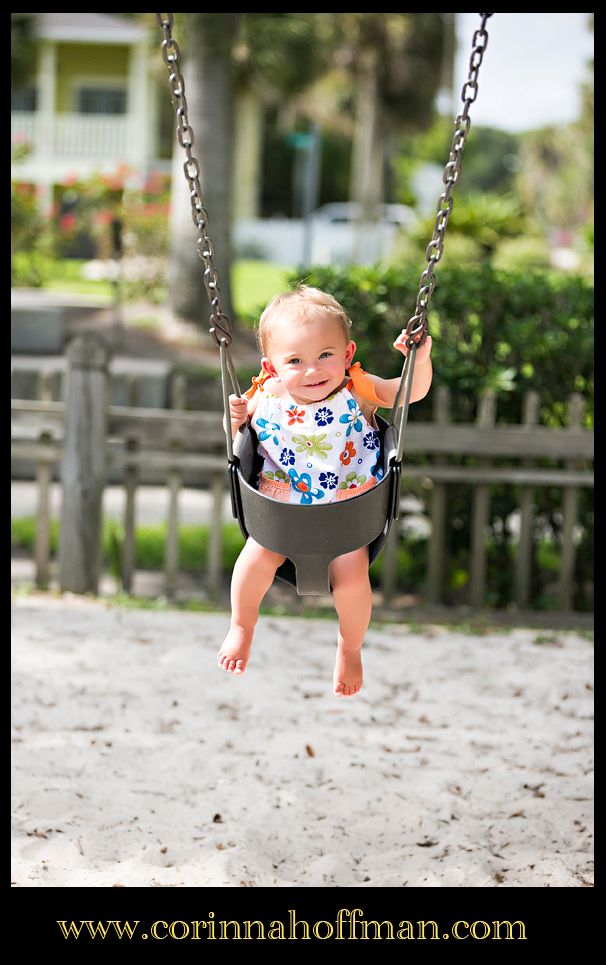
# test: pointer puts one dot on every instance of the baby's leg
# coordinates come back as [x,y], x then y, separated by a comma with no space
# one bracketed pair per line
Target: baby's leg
[353,602]
[252,577]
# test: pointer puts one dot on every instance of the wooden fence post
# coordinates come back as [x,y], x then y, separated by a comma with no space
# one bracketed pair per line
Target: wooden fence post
[175,481]
[44,475]
[437,540]
[215,538]
[131,479]
[524,554]
[570,511]
[83,465]
[389,577]
[480,511]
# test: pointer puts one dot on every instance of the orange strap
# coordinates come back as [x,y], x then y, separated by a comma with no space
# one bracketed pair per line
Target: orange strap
[257,382]
[363,385]
[358,378]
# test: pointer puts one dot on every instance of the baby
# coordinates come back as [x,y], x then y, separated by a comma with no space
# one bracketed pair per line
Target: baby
[313,412]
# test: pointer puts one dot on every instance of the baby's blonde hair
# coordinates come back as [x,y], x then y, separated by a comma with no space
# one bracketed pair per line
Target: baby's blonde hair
[298,302]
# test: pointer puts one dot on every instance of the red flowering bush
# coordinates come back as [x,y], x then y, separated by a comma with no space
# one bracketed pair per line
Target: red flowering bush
[115,215]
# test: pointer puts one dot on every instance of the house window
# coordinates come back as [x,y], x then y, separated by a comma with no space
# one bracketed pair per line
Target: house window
[24,99]
[101,100]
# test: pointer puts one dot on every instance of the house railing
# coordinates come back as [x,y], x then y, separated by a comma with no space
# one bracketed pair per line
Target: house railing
[90,436]
[72,136]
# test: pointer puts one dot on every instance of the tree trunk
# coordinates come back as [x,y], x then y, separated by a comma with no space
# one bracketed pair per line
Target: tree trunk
[368,153]
[248,149]
[206,68]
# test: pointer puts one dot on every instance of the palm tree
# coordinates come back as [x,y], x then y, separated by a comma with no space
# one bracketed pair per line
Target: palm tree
[397,62]
[23,48]
[229,59]
[206,41]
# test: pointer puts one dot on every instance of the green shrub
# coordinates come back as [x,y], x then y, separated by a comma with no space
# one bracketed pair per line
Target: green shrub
[150,544]
[521,254]
[30,242]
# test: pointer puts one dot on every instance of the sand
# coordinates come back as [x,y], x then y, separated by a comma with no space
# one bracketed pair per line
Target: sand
[465,761]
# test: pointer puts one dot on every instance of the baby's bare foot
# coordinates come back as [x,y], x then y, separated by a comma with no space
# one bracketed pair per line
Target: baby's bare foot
[233,655]
[348,676]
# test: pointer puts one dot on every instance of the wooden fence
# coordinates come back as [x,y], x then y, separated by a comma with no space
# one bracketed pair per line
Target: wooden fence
[88,436]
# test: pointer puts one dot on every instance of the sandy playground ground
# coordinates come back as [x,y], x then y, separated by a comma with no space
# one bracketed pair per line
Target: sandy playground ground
[465,761]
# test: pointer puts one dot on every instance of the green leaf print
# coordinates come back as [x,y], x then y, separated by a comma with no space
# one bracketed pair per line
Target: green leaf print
[313,445]
[280,474]
[352,479]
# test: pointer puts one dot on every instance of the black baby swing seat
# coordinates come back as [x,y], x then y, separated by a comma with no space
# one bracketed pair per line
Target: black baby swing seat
[311,536]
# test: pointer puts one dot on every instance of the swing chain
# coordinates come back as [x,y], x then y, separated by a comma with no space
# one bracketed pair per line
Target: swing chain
[416,330]
[220,325]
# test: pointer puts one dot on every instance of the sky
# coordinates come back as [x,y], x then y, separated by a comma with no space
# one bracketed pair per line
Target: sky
[532,70]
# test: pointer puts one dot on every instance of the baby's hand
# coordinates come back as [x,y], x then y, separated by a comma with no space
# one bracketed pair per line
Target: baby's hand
[238,410]
[423,352]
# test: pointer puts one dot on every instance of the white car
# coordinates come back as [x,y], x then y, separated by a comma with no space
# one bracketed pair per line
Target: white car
[346,212]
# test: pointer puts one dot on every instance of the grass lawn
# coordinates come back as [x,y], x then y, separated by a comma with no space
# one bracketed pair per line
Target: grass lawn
[66,276]
[253,282]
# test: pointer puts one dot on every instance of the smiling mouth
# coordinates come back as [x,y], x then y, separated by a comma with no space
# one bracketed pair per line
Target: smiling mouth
[314,385]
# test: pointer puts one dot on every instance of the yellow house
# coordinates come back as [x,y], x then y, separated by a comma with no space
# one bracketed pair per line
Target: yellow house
[92,104]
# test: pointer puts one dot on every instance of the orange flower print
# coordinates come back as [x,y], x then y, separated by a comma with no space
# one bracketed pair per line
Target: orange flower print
[295,415]
[348,453]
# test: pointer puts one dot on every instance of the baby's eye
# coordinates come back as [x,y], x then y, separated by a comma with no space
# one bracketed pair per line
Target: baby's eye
[327,354]
[294,361]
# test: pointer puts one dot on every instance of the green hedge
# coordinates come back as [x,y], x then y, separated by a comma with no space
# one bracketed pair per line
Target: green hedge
[510,331]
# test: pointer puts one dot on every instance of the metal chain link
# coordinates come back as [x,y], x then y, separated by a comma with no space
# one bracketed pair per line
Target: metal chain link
[416,330]
[220,325]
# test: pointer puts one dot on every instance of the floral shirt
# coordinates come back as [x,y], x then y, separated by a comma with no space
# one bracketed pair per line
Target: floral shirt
[315,452]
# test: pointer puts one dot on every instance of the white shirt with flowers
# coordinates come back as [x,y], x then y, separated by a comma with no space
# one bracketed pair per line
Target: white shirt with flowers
[317,452]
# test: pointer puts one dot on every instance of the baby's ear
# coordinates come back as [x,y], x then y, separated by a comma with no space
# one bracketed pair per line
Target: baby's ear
[268,367]
[350,351]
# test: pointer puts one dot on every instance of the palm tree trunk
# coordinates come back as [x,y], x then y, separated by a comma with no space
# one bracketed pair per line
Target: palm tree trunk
[248,152]
[368,152]
[208,79]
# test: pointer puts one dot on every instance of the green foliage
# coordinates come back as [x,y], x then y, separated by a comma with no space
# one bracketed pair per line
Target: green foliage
[519,254]
[85,217]
[280,53]
[483,221]
[30,247]
[555,181]
[150,543]
[511,331]
[23,48]
[490,159]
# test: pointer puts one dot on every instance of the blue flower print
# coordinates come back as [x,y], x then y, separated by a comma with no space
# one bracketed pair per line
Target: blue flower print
[328,480]
[269,430]
[352,417]
[287,457]
[371,440]
[377,470]
[302,484]
[324,416]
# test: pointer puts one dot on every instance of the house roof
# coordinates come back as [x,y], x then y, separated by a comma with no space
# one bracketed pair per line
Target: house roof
[88,28]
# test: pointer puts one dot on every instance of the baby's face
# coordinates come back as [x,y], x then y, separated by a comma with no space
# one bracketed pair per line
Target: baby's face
[309,357]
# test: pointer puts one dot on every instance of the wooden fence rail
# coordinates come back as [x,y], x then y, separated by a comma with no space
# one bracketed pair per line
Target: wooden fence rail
[178,442]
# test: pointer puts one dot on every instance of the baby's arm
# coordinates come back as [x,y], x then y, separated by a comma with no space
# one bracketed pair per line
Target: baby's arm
[241,408]
[387,389]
